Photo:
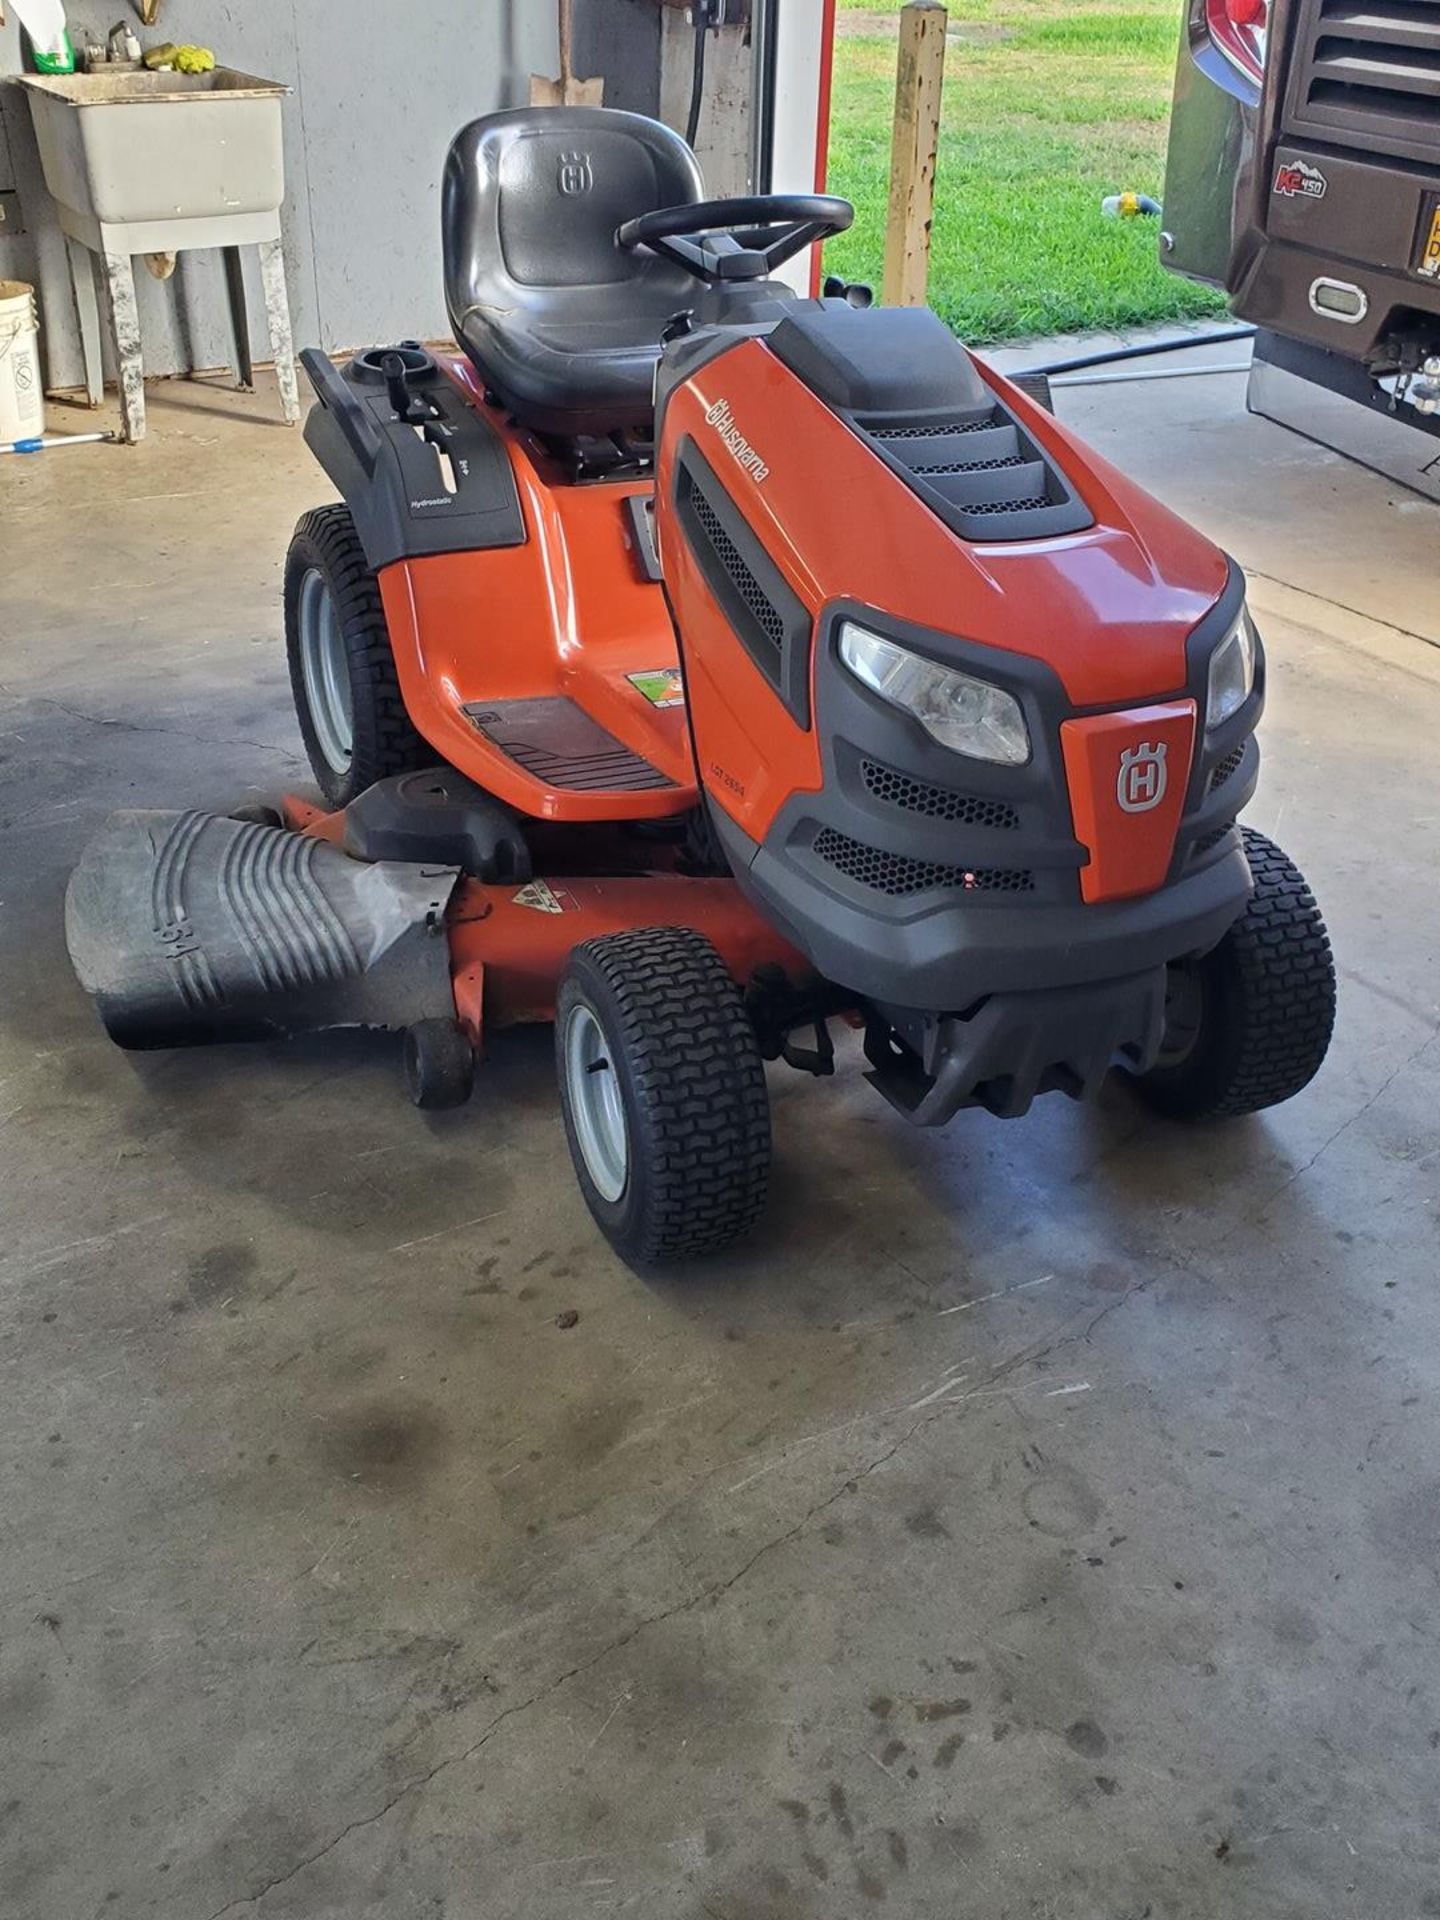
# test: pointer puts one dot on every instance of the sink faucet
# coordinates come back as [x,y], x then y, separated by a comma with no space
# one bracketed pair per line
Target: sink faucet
[124,46]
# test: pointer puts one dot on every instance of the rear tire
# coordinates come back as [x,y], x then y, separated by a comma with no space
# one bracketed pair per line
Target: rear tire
[1260,1008]
[663,1092]
[342,670]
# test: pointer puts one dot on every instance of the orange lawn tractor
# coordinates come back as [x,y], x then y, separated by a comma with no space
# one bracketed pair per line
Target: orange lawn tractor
[695,665]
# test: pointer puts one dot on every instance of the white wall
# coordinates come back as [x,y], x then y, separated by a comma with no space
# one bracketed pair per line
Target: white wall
[380,88]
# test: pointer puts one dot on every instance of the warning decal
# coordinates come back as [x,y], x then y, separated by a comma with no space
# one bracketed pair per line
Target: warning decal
[661,686]
[541,897]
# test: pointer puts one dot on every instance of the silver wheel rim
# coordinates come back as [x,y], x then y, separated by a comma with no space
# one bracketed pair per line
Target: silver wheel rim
[326,670]
[596,1107]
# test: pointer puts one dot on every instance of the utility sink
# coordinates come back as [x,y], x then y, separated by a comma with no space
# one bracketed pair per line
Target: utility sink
[152,164]
[131,148]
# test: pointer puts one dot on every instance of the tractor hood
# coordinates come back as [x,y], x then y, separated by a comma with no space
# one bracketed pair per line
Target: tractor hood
[878,463]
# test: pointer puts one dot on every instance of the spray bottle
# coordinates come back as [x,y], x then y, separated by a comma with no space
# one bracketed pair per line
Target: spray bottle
[51,48]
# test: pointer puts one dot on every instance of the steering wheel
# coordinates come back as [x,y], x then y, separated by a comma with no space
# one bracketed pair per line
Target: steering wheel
[742,239]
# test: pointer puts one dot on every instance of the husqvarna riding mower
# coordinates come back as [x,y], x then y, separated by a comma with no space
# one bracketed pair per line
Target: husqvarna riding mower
[694,665]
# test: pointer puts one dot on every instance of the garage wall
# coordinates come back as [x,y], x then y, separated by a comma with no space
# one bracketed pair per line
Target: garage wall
[377,97]
[722,140]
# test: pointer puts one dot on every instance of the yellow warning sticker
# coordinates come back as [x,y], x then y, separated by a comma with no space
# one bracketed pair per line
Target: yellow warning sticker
[541,897]
[1430,259]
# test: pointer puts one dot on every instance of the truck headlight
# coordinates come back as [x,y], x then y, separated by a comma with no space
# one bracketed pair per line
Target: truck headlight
[967,715]
[1232,672]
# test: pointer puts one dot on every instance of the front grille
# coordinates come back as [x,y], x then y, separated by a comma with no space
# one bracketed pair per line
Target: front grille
[1366,73]
[935,803]
[1209,841]
[897,875]
[762,610]
[1227,768]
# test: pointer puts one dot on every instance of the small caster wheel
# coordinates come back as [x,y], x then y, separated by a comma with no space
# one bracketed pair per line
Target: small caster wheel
[439,1065]
[258,816]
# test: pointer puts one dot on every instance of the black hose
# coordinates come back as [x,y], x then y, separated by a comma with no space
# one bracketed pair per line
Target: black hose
[1112,354]
[697,85]
[769,42]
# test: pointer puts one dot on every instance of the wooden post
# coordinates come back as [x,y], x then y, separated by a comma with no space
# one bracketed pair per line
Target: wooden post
[567,91]
[919,76]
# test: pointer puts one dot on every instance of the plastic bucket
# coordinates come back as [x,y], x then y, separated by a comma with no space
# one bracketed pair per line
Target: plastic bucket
[22,402]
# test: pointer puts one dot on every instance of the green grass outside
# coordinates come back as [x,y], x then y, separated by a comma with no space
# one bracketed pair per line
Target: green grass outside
[1048,106]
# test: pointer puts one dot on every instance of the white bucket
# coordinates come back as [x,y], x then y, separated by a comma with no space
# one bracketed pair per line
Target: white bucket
[22,402]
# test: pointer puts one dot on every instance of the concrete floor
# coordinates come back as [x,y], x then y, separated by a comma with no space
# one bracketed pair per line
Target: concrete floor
[1036,1520]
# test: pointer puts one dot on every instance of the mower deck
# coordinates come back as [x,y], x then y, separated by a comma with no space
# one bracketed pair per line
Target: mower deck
[509,943]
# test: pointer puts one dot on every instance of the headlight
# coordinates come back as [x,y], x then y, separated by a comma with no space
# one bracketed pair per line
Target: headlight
[1232,672]
[966,715]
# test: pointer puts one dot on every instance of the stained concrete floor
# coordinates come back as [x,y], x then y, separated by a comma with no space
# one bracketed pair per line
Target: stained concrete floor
[1036,1520]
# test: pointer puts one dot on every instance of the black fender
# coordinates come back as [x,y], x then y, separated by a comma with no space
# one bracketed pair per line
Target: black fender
[439,482]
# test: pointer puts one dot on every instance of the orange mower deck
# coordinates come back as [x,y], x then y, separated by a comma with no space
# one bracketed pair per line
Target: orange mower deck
[509,943]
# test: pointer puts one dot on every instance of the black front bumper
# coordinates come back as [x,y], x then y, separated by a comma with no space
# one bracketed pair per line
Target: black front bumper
[978,1005]
[1015,1046]
[952,950]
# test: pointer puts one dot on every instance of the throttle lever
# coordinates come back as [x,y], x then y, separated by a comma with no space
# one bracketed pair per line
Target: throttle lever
[411,408]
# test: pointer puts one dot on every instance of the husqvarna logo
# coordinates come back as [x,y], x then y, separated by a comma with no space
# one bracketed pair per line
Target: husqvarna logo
[576,173]
[1142,779]
[736,445]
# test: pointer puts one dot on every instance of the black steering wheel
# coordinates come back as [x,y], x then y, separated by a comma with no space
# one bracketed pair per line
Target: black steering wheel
[744,239]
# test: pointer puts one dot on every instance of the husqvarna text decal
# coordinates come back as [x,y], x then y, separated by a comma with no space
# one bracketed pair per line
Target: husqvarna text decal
[720,417]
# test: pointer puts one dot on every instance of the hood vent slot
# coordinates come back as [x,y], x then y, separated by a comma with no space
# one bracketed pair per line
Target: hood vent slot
[982,473]
[903,383]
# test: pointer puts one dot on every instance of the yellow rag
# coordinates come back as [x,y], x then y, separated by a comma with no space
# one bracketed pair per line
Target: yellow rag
[185,59]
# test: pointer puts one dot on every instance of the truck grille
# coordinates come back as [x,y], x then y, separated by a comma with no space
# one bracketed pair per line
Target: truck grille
[1366,73]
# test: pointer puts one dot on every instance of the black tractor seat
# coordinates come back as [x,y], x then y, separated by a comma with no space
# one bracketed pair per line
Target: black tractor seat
[561,322]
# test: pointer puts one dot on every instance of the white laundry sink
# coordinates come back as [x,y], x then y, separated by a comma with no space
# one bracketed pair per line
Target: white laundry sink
[133,147]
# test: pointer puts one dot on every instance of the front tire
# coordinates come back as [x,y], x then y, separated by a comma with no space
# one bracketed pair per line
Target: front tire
[342,670]
[1250,1023]
[663,1092]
